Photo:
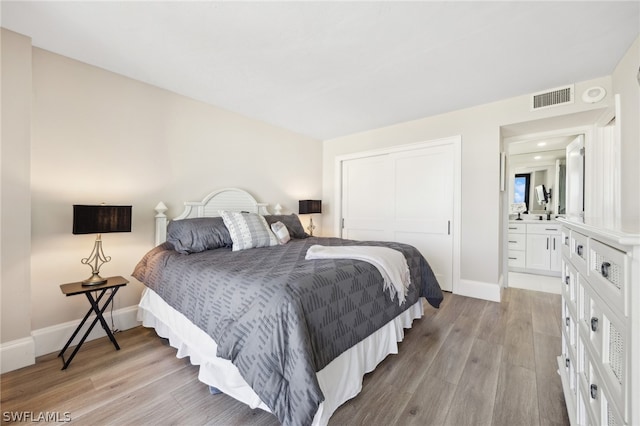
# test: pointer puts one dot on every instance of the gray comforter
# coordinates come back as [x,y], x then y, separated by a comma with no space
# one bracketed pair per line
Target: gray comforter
[280,318]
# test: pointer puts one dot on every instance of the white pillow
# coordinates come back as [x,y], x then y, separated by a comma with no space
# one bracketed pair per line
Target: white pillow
[281,231]
[248,230]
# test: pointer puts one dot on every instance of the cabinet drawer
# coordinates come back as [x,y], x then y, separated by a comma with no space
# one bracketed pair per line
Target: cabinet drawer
[598,401]
[544,228]
[608,273]
[570,285]
[570,328]
[516,258]
[579,251]
[565,241]
[605,344]
[517,228]
[517,241]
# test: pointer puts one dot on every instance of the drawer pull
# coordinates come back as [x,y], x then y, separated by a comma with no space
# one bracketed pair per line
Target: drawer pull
[512,241]
[579,250]
[594,391]
[567,321]
[567,280]
[566,241]
[594,324]
[513,258]
[604,269]
[567,362]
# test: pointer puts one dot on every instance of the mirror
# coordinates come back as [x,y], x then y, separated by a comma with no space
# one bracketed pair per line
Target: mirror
[537,174]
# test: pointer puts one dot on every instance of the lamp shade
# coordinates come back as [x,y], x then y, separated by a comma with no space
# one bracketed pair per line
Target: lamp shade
[101,219]
[310,206]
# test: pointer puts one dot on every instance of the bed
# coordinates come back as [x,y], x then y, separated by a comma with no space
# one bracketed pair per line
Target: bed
[265,325]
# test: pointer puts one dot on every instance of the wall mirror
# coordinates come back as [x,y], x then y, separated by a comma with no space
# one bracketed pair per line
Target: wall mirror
[536,164]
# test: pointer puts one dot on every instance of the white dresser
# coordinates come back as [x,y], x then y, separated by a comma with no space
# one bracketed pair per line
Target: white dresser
[600,360]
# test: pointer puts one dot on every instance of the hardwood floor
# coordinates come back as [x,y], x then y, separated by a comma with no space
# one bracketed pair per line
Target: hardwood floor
[472,362]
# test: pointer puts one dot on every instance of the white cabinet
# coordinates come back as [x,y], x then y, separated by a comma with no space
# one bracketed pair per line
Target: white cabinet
[517,243]
[535,247]
[599,364]
[543,247]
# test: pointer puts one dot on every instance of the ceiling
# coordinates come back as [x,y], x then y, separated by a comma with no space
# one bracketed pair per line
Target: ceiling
[328,69]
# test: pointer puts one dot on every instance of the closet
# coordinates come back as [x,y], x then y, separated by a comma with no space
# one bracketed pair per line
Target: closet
[409,195]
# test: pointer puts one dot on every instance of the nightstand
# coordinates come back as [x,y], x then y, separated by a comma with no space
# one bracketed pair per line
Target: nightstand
[71,289]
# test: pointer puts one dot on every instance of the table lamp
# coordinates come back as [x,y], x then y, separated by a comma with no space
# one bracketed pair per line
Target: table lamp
[310,207]
[99,219]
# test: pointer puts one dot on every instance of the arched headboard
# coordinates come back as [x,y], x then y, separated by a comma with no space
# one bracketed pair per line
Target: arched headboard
[230,199]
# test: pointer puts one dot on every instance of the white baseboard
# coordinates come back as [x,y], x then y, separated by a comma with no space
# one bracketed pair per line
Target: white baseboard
[23,352]
[17,354]
[52,339]
[534,282]
[479,290]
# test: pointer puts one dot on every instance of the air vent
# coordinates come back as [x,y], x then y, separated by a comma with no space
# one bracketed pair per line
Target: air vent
[551,98]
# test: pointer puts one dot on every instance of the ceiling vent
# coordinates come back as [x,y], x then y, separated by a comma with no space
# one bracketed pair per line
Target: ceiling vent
[553,97]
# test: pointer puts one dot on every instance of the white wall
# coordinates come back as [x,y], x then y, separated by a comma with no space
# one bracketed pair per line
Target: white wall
[100,137]
[480,129]
[15,202]
[625,82]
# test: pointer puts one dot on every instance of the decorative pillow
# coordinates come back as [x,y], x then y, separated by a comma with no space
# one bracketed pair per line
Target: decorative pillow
[281,232]
[198,234]
[248,230]
[291,221]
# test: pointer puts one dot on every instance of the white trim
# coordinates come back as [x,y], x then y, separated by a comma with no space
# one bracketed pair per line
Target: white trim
[546,284]
[586,130]
[479,290]
[17,354]
[456,141]
[52,339]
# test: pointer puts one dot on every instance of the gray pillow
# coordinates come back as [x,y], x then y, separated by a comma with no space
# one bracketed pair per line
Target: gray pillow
[198,234]
[248,230]
[291,221]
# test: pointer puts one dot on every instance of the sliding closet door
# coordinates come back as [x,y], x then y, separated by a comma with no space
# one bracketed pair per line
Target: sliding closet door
[366,203]
[404,196]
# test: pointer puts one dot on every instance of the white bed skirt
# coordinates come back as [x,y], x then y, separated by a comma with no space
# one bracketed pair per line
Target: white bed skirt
[340,380]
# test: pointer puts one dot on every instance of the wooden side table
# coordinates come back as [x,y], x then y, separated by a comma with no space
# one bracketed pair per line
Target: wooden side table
[72,289]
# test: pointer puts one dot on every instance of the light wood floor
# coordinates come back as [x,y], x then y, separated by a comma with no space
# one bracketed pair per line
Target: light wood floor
[471,362]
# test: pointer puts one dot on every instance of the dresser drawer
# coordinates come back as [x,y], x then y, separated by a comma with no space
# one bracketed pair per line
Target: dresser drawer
[598,401]
[517,241]
[516,259]
[570,329]
[604,337]
[609,275]
[570,285]
[579,246]
[566,241]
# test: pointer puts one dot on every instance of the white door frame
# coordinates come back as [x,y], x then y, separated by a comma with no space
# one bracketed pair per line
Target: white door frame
[456,142]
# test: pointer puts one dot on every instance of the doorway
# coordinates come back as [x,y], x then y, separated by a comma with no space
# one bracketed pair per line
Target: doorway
[536,187]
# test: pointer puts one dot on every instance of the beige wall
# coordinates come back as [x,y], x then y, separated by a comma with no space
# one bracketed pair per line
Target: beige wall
[15,241]
[625,82]
[480,129]
[100,137]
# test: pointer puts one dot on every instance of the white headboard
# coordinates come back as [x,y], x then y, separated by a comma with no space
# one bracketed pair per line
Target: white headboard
[230,199]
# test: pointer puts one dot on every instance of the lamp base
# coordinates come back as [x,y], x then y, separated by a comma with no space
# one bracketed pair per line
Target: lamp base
[94,279]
